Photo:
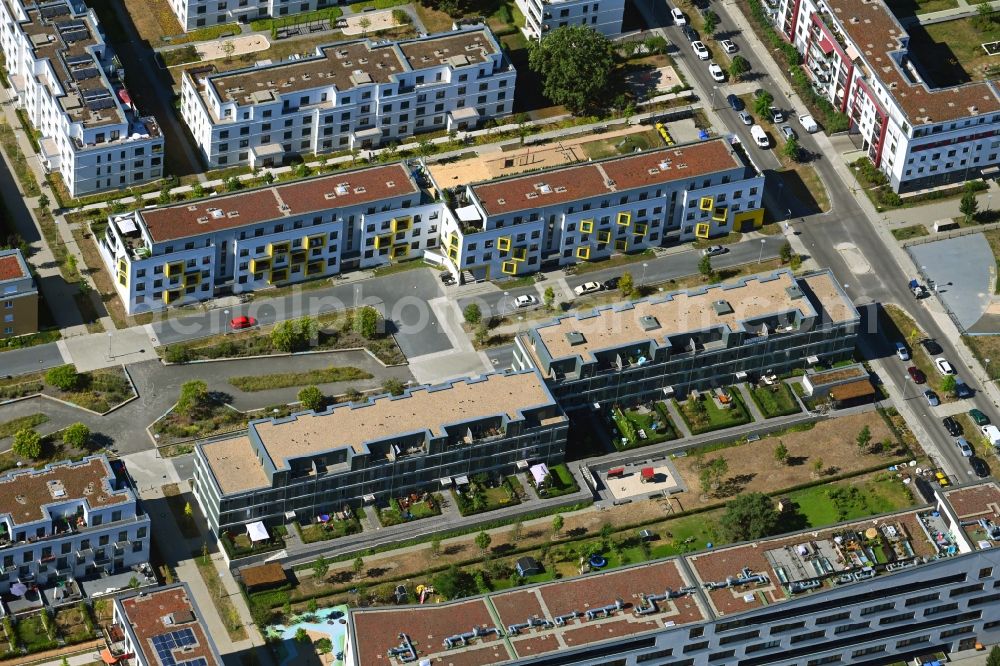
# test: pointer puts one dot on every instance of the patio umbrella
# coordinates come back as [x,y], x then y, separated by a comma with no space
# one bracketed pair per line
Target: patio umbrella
[18,589]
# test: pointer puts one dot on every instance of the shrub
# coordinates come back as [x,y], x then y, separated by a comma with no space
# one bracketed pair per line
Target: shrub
[76,435]
[193,398]
[27,443]
[63,377]
[177,354]
[473,315]
[366,322]
[311,398]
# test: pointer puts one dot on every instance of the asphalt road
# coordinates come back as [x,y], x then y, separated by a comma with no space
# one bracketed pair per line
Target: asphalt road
[402,299]
[651,271]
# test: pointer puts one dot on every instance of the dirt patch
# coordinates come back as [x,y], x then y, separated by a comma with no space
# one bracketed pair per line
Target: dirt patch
[753,468]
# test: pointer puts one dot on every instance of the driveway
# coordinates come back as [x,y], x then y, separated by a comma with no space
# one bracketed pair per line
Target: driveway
[963,269]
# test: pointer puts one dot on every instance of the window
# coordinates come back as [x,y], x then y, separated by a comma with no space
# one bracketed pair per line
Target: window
[808,636]
[985,572]
[836,617]
[856,626]
[922,599]
[692,647]
[875,649]
[876,609]
[893,619]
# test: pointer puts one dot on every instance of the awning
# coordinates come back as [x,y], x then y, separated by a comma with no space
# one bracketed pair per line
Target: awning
[368,499]
[465,113]
[126,225]
[268,150]
[522,465]
[124,96]
[812,360]
[107,657]
[648,473]
[445,482]
[257,531]
[539,472]
[461,480]
[468,214]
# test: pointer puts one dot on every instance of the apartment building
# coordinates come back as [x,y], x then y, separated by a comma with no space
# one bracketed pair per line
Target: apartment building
[564,215]
[359,94]
[266,237]
[69,520]
[159,627]
[886,590]
[194,14]
[18,296]
[68,82]
[386,447]
[920,133]
[697,339]
[543,16]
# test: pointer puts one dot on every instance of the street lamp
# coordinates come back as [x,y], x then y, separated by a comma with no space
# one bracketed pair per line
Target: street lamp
[989,201]
[760,257]
[503,303]
[110,356]
[643,278]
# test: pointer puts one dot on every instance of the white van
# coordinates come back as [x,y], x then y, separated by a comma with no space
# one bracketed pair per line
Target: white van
[760,136]
[992,433]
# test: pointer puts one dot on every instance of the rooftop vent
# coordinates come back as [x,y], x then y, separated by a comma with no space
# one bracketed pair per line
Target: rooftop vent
[390,184]
[56,489]
[722,307]
[343,188]
[793,292]
[649,322]
[664,165]
[575,338]
[544,188]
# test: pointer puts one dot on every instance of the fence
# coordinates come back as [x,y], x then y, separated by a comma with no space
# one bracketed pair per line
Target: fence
[945,235]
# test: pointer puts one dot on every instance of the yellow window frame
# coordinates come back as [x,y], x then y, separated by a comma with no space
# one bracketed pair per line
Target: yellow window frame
[314,268]
[640,229]
[603,236]
[509,267]
[583,252]
[173,268]
[621,245]
[519,254]
[503,243]
[278,248]
[586,226]
[277,275]
[401,224]
[311,242]
[383,241]
[702,229]
[720,214]
[706,203]
[624,219]
[400,250]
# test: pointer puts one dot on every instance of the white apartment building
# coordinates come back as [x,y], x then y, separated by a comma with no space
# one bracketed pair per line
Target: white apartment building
[194,14]
[265,237]
[920,133]
[564,215]
[66,79]
[543,16]
[69,520]
[358,94]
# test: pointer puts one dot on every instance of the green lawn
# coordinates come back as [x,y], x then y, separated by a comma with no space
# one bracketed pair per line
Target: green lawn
[774,403]
[478,497]
[713,417]
[329,375]
[837,502]
[8,428]
[33,635]
[629,422]
[562,482]
[951,50]
[331,530]
[393,515]
[912,231]
[622,145]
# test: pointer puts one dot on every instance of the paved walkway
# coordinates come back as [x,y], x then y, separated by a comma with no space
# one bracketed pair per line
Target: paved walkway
[964,10]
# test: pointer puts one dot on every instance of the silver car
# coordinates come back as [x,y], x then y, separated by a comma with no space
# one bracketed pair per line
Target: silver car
[746,118]
[788,132]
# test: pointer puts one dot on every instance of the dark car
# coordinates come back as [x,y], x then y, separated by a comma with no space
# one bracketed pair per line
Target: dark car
[978,417]
[932,347]
[962,389]
[735,103]
[608,285]
[979,466]
[952,426]
[916,374]
[690,33]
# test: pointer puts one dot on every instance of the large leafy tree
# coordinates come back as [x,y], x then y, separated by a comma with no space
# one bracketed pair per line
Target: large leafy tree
[575,64]
[749,516]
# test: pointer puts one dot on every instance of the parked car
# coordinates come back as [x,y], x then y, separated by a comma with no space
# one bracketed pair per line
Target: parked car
[760,137]
[978,417]
[991,433]
[610,284]
[713,250]
[678,16]
[943,366]
[963,446]
[919,291]
[902,352]
[746,118]
[942,479]
[690,33]
[587,288]
[238,323]
[808,123]
[962,389]
[979,466]
[788,132]
[932,398]
[776,115]
[728,46]
[525,301]
[916,374]
[931,346]
[952,426]
[716,72]
[700,50]
[735,103]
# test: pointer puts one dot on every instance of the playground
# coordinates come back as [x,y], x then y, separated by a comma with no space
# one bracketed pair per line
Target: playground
[642,480]
[243,44]
[327,638]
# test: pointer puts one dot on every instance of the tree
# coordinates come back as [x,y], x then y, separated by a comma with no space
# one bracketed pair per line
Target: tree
[76,435]
[818,466]
[63,377]
[626,284]
[293,335]
[320,568]
[268,178]
[994,658]
[193,398]
[164,197]
[781,453]
[785,252]
[189,512]
[393,386]
[228,47]
[968,206]
[43,201]
[453,583]
[864,438]
[364,23]
[516,531]
[711,474]
[984,16]
[549,296]
[749,516]
[232,184]
[762,103]
[27,443]
[738,67]
[472,313]
[366,322]
[312,398]
[482,334]
[792,150]
[483,541]
[424,148]
[948,383]
[436,545]
[198,190]
[557,524]
[575,64]
[705,267]
[711,22]
[312,607]
[301,635]
[358,565]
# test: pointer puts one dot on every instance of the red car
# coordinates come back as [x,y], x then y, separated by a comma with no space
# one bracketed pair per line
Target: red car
[916,375]
[238,323]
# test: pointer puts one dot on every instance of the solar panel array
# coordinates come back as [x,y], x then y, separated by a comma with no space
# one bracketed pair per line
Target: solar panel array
[165,644]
